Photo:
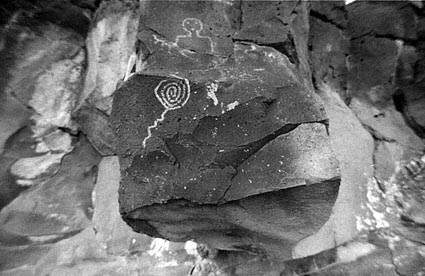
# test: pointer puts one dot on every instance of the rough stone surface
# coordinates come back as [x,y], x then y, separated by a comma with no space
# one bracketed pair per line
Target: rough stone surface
[58,207]
[265,23]
[204,162]
[71,15]
[110,46]
[105,246]
[19,145]
[241,225]
[177,39]
[55,94]
[84,255]
[301,157]
[381,64]
[216,147]
[410,100]
[396,19]
[43,70]
[46,46]
[224,111]
[332,12]
[347,137]
[382,76]
[394,140]
[8,189]
[409,96]
[111,231]
[329,46]
[394,237]
[297,116]
[95,124]
[13,114]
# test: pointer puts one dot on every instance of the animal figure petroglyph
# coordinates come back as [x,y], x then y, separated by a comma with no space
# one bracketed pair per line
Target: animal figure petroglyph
[190,42]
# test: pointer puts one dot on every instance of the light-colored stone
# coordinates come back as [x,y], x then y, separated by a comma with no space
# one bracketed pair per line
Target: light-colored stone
[396,140]
[110,44]
[30,170]
[34,55]
[111,231]
[84,255]
[55,141]
[387,123]
[55,94]
[353,147]
[32,167]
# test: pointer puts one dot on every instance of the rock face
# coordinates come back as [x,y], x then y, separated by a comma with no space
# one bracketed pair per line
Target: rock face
[253,131]
[60,206]
[110,45]
[43,70]
[234,127]
[394,236]
[366,64]
[377,82]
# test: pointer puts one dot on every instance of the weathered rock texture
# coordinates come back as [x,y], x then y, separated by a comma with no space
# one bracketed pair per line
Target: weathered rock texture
[220,123]
[263,130]
[394,236]
[365,65]
[390,52]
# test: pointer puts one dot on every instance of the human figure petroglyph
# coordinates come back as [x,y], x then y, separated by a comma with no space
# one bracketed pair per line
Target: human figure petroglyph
[193,40]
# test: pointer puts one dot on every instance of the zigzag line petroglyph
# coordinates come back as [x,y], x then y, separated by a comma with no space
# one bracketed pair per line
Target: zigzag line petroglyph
[172,95]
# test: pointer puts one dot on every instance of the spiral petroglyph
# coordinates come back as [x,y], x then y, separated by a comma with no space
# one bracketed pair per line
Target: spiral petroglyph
[172,94]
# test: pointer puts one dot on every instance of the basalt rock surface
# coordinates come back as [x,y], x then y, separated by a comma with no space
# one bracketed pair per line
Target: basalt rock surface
[234,127]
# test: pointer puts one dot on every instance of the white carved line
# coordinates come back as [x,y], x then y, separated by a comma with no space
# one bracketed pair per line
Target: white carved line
[172,95]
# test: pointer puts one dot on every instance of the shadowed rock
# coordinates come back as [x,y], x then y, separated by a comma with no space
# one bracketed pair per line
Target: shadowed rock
[58,207]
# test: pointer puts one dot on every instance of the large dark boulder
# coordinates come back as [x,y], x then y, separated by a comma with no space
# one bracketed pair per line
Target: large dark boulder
[235,126]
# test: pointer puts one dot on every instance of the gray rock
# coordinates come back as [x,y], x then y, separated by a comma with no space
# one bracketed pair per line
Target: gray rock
[187,35]
[395,19]
[111,53]
[59,207]
[381,79]
[215,121]
[14,116]
[247,161]
[8,187]
[409,100]
[111,231]
[370,78]
[353,147]
[285,217]
[300,157]
[50,45]
[329,46]
[392,248]
[264,22]
[395,140]
[95,124]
